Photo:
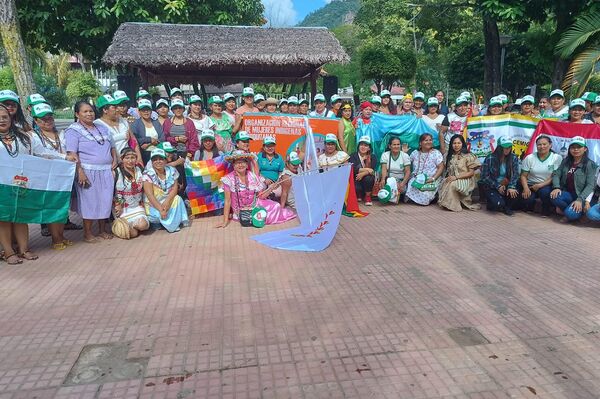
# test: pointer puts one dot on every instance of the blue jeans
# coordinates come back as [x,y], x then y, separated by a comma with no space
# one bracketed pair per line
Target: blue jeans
[593,213]
[498,202]
[564,202]
[543,194]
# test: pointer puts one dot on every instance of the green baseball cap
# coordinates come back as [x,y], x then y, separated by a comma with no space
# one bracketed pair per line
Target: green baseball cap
[242,136]
[385,194]
[503,98]
[462,100]
[105,100]
[176,102]
[158,152]
[294,158]
[162,101]
[385,93]
[269,140]
[319,97]
[215,100]
[258,98]
[432,101]
[293,100]
[248,92]
[174,91]
[364,139]
[166,147]
[144,103]
[331,138]
[335,98]
[527,98]
[35,99]
[142,93]
[419,95]
[227,97]
[375,100]
[41,110]
[505,142]
[195,99]
[120,96]
[207,134]
[303,101]
[495,101]
[589,96]
[9,95]
[259,216]
[578,140]
[577,102]
[557,92]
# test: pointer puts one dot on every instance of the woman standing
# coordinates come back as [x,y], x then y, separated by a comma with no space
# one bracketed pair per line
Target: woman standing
[14,143]
[47,143]
[536,175]
[303,107]
[11,101]
[92,145]
[427,166]
[387,105]
[222,123]
[528,106]
[244,190]
[162,110]
[577,112]
[197,115]
[118,127]
[363,170]
[336,104]
[270,164]
[395,163]
[346,131]
[229,107]
[495,107]
[573,181]
[460,177]
[162,203]
[435,121]
[557,108]
[407,105]
[208,149]
[147,131]
[499,177]
[129,192]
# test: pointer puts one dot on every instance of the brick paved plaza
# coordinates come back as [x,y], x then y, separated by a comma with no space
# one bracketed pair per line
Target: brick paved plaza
[410,302]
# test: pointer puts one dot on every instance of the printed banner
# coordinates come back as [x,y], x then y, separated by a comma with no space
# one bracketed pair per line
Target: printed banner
[203,179]
[561,134]
[319,201]
[288,130]
[35,190]
[483,133]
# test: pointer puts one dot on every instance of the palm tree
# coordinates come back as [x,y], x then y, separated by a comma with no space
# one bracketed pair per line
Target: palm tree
[581,41]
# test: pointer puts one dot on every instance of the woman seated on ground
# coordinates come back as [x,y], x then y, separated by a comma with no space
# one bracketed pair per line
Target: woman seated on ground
[128,207]
[536,175]
[47,143]
[573,181]
[363,170]
[245,190]
[427,168]
[395,163]
[499,177]
[14,143]
[270,164]
[332,155]
[460,181]
[577,112]
[162,203]
[292,168]
[592,203]
[208,148]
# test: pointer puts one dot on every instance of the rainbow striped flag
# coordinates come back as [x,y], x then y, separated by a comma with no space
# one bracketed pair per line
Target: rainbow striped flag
[203,180]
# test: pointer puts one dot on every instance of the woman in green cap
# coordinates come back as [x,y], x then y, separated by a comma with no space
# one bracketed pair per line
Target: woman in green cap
[495,107]
[162,111]
[387,105]
[201,121]
[293,105]
[11,101]
[303,107]
[395,163]
[208,149]
[435,121]
[147,131]
[223,124]
[332,155]
[577,112]
[557,109]
[118,127]
[283,106]
[499,178]
[363,170]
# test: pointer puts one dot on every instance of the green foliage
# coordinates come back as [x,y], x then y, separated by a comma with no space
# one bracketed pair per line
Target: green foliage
[387,62]
[332,15]
[47,87]
[7,80]
[82,86]
[87,27]
[464,62]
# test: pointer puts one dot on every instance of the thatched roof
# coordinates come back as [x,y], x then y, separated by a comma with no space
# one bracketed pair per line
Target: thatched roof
[220,54]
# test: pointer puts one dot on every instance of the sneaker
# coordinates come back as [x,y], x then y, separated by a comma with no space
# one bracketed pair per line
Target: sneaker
[368,201]
[509,212]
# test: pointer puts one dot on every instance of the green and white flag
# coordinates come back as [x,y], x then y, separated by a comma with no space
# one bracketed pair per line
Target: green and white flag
[35,190]
[483,133]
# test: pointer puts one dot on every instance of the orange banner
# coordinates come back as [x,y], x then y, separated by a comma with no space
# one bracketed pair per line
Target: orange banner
[289,131]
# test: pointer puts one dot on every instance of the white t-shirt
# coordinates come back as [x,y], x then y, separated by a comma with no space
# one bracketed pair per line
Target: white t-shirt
[539,170]
[561,114]
[203,124]
[325,161]
[395,166]
[433,122]
[326,114]
[456,125]
[120,134]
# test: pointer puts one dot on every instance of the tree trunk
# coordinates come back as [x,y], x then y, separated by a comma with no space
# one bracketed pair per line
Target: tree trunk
[491,75]
[563,21]
[15,49]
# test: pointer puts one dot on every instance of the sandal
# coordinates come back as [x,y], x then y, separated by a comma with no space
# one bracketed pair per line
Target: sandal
[68,243]
[92,240]
[72,226]
[28,255]
[59,246]
[18,261]
[106,236]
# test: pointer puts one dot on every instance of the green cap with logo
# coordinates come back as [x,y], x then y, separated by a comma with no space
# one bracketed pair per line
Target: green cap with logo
[162,101]
[258,98]
[419,96]
[35,99]
[176,102]
[175,90]
[578,140]
[385,93]
[207,134]
[331,138]
[105,100]
[248,92]
[195,99]
[269,140]
[41,110]
[294,159]
[496,100]
[557,92]
[505,142]
[364,139]
[577,102]
[335,98]
[142,93]
[589,96]
[215,100]
[527,99]
[319,97]
[259,216]
[242,136]
[375,100]
[462,100]
[158,152]
[120,96]
[227,97]
[293,100]
[432,101]
[8,95]
[385,194]
[166,146]
[144,103]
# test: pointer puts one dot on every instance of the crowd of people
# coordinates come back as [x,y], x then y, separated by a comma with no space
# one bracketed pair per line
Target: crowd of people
[130,159]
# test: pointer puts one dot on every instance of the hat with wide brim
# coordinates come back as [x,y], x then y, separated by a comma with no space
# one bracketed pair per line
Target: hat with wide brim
[271,101]
[385,194]
[259,217]
[239,155]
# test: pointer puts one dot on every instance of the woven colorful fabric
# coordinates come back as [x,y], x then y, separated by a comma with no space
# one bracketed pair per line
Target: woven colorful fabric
[203,179]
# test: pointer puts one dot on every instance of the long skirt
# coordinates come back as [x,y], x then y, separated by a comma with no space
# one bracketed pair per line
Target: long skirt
[275,213]
[176,216]
[134,215]
[94,202]
[452,199]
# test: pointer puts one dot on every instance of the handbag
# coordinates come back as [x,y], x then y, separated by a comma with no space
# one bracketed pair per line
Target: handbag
[419,182]
[245,215]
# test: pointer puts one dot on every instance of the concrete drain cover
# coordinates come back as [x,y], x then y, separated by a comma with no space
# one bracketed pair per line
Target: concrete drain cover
[98,364]
[467,336]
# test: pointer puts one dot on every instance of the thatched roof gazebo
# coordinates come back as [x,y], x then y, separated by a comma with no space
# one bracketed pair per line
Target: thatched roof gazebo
[216,54]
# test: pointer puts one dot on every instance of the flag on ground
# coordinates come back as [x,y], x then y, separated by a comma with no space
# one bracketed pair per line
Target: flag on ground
[203,178]
[35,190]
[351,208]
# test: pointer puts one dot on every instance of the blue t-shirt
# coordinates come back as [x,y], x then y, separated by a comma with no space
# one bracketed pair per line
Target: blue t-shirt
[270,169]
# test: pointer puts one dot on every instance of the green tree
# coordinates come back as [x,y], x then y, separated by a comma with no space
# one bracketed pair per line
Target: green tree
[83,86]
[387,63]
[87,27]
[348,74]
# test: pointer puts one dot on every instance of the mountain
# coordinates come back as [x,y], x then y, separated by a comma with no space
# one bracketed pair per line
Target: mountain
[336,13]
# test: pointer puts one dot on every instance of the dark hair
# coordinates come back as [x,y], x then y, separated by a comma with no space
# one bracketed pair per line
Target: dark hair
[121,168]
[392,138]
[569,160]
[497,154]
[19,118]
[463,150]
[437,91]
[543,136]
[489,107]
[422,138]
[341,110]
[19,133]
[79,104]
[215,150]
[392,108]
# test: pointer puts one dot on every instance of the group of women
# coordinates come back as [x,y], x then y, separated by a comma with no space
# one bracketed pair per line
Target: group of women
[130,159]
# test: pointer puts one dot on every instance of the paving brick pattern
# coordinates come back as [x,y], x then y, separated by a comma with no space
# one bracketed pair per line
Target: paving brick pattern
[217,315]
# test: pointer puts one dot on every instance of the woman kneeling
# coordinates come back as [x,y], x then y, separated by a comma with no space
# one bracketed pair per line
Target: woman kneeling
[162,203]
